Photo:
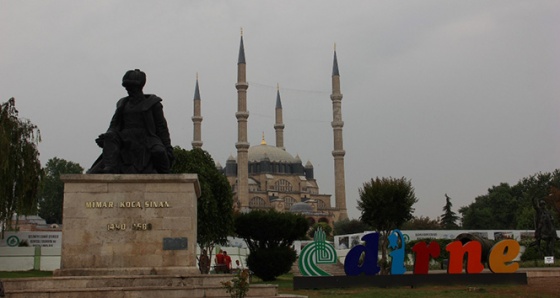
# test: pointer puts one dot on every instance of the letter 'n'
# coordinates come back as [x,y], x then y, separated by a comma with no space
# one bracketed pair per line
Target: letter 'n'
[456,254]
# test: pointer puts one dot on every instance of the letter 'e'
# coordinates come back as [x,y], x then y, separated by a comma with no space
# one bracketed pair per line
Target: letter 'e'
[369,265]
[504,252]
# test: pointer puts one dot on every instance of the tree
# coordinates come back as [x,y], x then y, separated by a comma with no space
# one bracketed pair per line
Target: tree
[20,168]
[350,226]
[511,207]
[386,204]
[422,223]
[269,236]
[325,227]
[51,195]
[449,218]
[215,205]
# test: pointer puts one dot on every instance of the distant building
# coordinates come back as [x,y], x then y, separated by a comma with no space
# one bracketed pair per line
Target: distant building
[268,177]
[28,223]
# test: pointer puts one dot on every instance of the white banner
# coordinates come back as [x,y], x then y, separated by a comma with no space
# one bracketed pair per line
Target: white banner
[34,238]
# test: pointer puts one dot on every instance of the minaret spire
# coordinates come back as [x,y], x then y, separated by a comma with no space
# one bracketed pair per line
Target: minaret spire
[279,125]
[242,144]
[335,64]
[338,152]
[241,58]
[197,118]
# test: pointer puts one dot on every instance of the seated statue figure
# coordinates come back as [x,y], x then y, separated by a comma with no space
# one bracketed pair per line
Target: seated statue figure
[137,141]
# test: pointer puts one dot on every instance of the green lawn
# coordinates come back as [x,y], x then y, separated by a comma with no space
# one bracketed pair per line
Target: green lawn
[284,283]
[31,273]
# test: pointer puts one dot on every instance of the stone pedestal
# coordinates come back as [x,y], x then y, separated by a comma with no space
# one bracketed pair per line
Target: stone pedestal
[129,224]
[129,236]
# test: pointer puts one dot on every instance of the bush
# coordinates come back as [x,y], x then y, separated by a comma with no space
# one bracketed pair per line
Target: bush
[532,251]
[269,263]
[444,254]
[238,286]
[269,236]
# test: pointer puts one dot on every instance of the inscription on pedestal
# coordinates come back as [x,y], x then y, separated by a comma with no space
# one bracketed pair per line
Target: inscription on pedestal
[129,221]
[175,243]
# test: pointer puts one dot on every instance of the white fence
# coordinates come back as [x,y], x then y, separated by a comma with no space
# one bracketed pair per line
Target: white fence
[48,258]
[29,258]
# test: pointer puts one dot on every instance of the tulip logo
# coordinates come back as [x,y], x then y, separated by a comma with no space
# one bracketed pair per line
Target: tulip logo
[316,252]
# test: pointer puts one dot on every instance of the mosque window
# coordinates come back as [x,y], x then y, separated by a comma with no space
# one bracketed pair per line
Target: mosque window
[253,187]
[283,185]
[289,202]
[257,202]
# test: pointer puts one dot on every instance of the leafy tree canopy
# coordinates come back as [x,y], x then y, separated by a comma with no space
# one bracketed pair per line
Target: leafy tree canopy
[422,223]
[350,226]
[20,168]
[269,229]
[512,207]
[449,218]
[215,205]
[269,236]
[51,195]
[386,204]
[325,227]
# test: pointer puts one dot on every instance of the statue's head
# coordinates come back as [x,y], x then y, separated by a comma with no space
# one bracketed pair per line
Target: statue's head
[134,78]
[542,203]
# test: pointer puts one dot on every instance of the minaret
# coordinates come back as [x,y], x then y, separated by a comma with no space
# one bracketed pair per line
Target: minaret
[279,125]
[197,119]
[338,152]
[242,144]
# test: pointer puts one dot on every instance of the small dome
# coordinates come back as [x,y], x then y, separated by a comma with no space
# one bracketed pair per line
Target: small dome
[273,154]
[301,208]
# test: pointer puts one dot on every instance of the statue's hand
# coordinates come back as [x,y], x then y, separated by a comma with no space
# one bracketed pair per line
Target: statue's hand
[170,155]
[100,141]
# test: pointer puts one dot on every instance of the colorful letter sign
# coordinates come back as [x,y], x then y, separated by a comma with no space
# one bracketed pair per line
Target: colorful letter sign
[363,258]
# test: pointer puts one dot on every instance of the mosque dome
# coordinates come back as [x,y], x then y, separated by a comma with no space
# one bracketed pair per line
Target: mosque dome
[301,207]
[273,154]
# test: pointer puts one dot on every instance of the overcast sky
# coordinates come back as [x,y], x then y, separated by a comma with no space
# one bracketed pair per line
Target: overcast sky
[457,96]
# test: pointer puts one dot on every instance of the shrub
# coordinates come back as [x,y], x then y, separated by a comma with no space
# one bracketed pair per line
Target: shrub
[238,286]
[269,236]
[443,254]
[268,263]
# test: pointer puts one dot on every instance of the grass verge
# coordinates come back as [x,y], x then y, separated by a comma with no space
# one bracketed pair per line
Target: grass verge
[19,274]
[285,286]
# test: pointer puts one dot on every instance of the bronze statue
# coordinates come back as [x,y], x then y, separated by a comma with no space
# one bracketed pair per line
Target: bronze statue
[137,141]
[544,228]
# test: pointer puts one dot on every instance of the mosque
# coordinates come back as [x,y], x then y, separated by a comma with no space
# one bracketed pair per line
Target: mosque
[268,177]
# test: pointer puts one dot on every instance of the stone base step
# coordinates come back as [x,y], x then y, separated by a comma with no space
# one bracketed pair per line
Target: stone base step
[127,287]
